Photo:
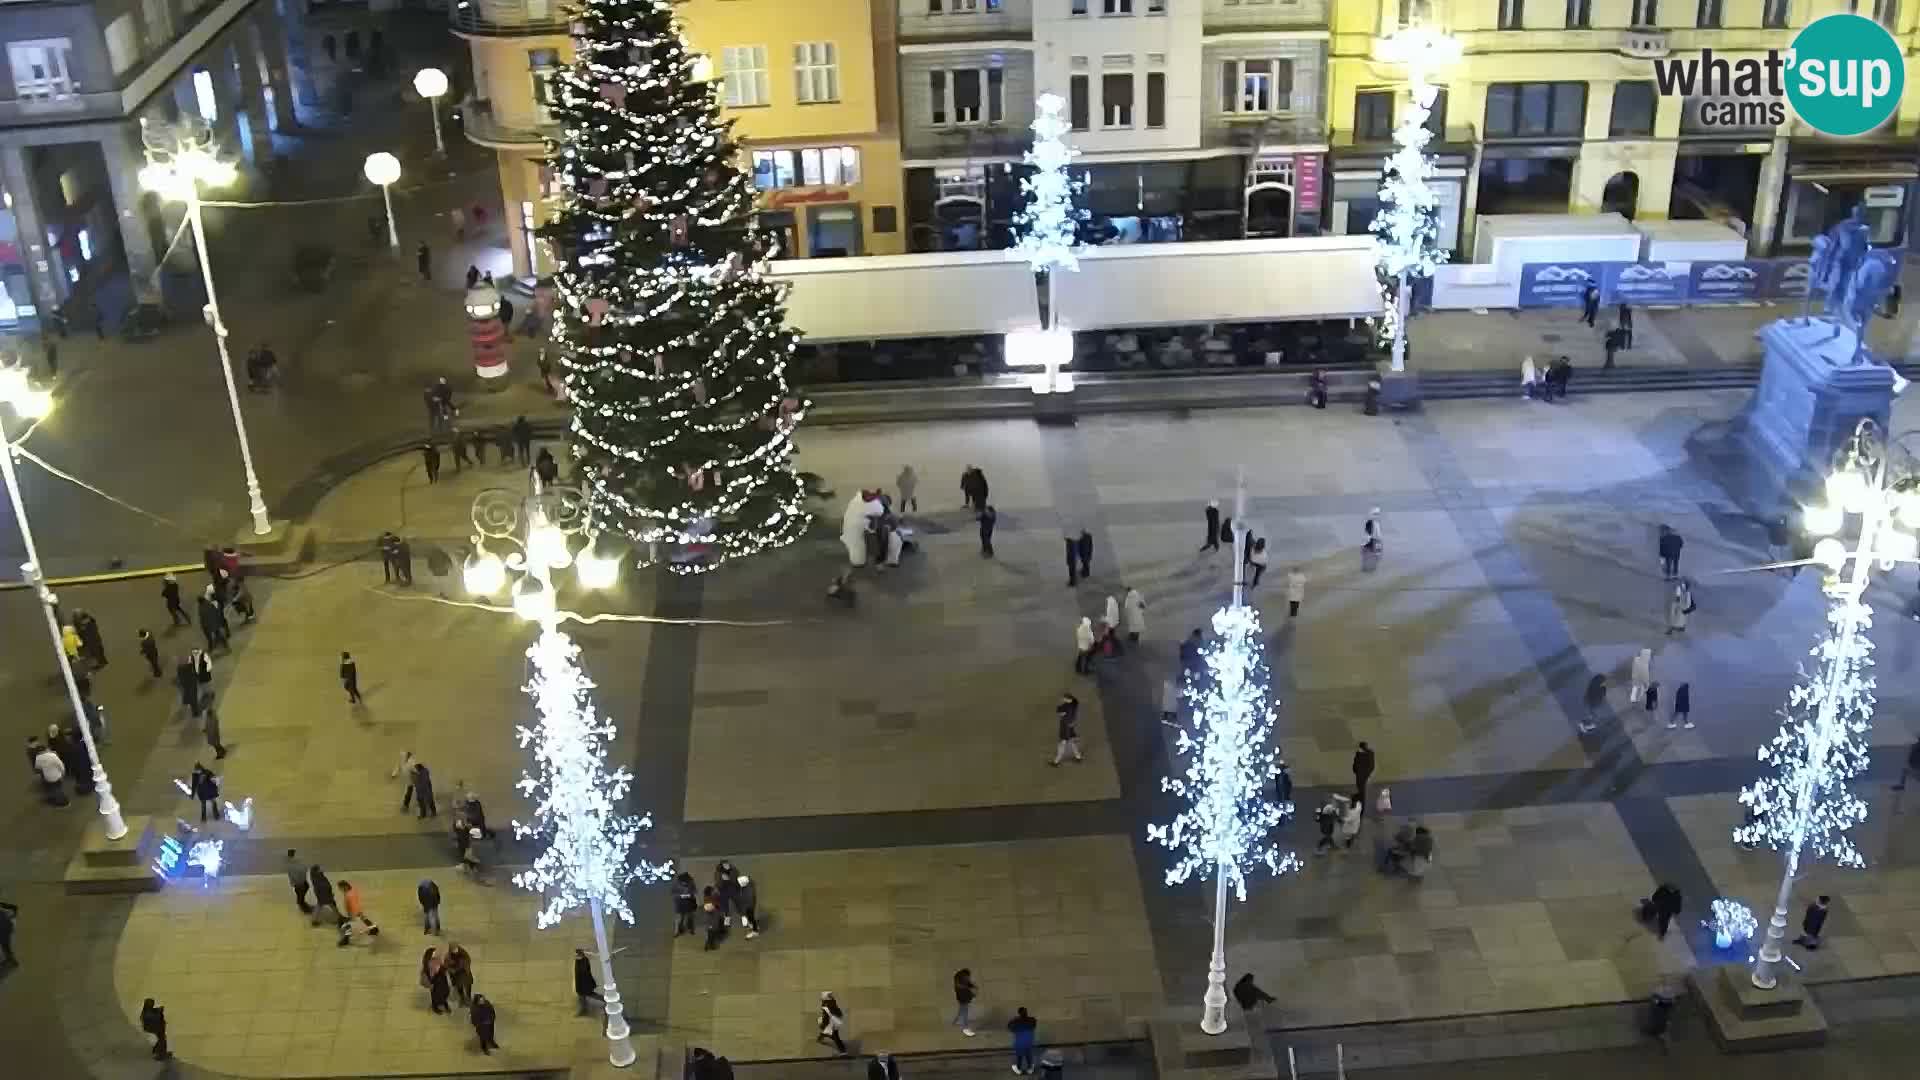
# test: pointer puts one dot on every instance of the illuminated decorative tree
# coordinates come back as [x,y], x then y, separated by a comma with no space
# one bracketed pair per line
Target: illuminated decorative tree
[1408,222]
[1049,223]
[1229,758]
[673,342]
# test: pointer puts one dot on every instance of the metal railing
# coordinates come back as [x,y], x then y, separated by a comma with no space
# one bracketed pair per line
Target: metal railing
[485,127]
[507,18]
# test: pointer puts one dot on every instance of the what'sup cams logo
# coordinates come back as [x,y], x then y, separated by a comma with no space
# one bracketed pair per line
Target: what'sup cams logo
[1843,75]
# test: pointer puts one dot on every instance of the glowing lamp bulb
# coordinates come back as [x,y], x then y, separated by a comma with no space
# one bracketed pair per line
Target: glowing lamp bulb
[1897,546]
[382,168]
[596,571]
[547,545]
[430,82]
[1847,489]
[1908,508]
[484,574]
[533,600]
[34,404]
[1822,519]
[1830,553]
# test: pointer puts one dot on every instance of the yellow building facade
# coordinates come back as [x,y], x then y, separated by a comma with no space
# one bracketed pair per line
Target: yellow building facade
[1554,108]
[809,86]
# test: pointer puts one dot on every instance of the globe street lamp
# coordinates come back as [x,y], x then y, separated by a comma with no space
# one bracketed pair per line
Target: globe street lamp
[383,168]
[179,160]
[431,83]
[587,861]
[30,402]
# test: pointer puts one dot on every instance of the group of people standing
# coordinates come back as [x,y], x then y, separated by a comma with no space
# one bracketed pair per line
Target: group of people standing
[732,893]
[515,442]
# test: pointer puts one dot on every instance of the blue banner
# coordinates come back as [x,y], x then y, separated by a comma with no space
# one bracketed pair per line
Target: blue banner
[1559,284]
[1788,281]
[1643,283]
[1723,282]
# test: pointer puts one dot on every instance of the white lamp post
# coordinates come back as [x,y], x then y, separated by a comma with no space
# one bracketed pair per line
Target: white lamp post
[431,83]
[587,861]
[30,402]
[383,168]
[179,160]
[1407,250]
[1803,807]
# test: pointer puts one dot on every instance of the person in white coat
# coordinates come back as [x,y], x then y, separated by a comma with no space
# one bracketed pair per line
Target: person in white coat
[1083,645]
[908,482]
[1529,375]
[1679,606]
[853,530]
[1642,674]
[1296,590]
[1134,609]
[1111,617]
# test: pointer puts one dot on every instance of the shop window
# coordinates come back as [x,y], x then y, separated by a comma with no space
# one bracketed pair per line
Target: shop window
[1633,104]
[1156,99]
[1536,110]
[832,166]
[1373,115]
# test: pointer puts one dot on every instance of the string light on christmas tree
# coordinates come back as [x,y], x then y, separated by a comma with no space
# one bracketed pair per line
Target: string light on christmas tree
[1731,922]
[1229,757]
[672,338]
[1407,225]
[1048,224]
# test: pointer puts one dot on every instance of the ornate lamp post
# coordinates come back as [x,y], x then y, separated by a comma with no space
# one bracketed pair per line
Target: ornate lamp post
[383,168]
[587,861]
[431,83]
[30,402]
[179,160]
[1803,807]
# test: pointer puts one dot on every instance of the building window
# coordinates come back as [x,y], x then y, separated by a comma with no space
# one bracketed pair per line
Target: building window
[123,44]
[1079,7]
[1116,7]
[1579,14]
[1707,16]
[967,96]
[1373,114]
[1156,7]
[1632,109]
[1116,98]
[833,166]
[1256,86]
[1646,12]
[1776,14]
[962,7]
[1512,14]
[542,65]
[743,71]
[1886,12]
[816,72]
[1437,116]
[40,71]
[1156,99]
[1536,110]
[1077,110]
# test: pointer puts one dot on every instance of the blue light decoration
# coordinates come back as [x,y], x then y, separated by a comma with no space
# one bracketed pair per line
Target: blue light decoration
[241,816]
[1732,922]
[207,855]
[176,857]
[166,864]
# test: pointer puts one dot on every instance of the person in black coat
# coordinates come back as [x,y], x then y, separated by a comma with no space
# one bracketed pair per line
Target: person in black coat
[522,434]
[1249,994]
[883,1067]
[988,518]
[584,984]
[1615,340]
[206,790]
[430,456]
[686,903]
[1282,783]
[423,791]
[423,258]
[428,892]
[350,678]
[324,905]
[1362,771]
[189,684]
[482,1015]
[1669,546]
[153,1021]
[170,592]
[1665,905]
[546,468]
[1084,548]
[1073,561]
[150,651]
[1213,527]
[1590,304]
[1626,323]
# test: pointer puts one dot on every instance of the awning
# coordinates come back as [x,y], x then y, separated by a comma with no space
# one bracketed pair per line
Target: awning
[1328,277]
[887,297]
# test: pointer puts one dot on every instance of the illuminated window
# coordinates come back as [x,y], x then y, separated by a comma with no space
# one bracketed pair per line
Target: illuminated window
[40,69]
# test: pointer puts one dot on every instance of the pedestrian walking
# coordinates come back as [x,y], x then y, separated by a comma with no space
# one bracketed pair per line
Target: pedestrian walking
[355,908]
[716,915]
[170,592]
[1213,526]
[428,892]
[206,791]
[746,900]
[1590,304]
[430,456]
[1613,342]
[212,730]
[1669,547]
[546,468]
[423,791]
[1073,561]
[1665,904]
[1083,641]
[1110,626]
[460,973]
[1192,653]
[91,643]
[883,1067]
[964,992]
[1133,609]
[389,546]
[1350,813]
[403,561]
[188,685]
[323,899]
[1296,590]
[973,487]
[833,1021]
[423,261]
[544,364]
[1596,700]
[458,442]
[153,1021]
[1283,787]
[988,519]
[1362,772]
[1679,606]
[686,903]
[1812,923]
[522,433]
[1257,561]
[481,1014]
[503,439]
[150,652]
[1626,323]
[52,771]
[1529,378]
[243,600]
[1023,1027]
[1375,534]
[1169,701]
[433,977]
[1911,768]
[210,619]
[585,987]
[907,482]
[297,877]
[1249,995]
[70,638]
[1683,709]
[1083,546]
[350,678]
[1067,727]
[1642,674]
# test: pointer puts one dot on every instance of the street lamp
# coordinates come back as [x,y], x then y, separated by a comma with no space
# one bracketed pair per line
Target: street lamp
[30,402]
[383,168]
[587,861]
[1803,807]
[430,83]
[179,159]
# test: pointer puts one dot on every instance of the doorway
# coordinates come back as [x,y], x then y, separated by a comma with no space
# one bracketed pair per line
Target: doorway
[833,232]
[1269,211]
[1621,195]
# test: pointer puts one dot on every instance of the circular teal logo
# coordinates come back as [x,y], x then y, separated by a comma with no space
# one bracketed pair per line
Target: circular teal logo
[1845,74]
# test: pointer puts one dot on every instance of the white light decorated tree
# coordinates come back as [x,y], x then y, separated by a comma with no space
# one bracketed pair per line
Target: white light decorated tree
[1049,223]
[1407,224]
[1229,759]
[587,861]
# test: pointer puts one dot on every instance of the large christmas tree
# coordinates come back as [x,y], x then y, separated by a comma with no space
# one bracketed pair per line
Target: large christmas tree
[673,343]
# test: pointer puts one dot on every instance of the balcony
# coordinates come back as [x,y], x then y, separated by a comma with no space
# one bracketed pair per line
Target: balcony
[989,142]
[485,128]
[1265,133]
[1643,43]
[507,18]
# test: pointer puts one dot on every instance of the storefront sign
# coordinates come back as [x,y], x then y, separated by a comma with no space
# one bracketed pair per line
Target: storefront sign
[1559,284]
[803,196]
[1730,282]
[1643,283]
[1789,281]
[1883,195]
[1306,183]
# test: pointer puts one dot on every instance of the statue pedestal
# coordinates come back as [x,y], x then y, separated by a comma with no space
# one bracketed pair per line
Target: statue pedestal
[1810,397]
